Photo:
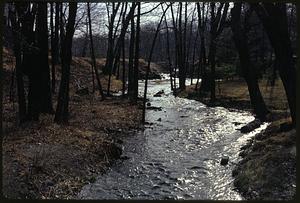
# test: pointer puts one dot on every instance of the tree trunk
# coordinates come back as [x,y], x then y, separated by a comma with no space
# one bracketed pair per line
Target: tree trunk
[176,51]
[123,69]
[110,49]
[17,52]
[62,111]
[1,78]
[168,54]
[131,62]
[217,23]
[54,48]
[43,62]
[274,19]
[93,53]
[136,56]
[181,58]
[30,62]
[240,40]
[148,66]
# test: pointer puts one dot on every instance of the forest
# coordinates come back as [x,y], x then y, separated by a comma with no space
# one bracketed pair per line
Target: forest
[148,100]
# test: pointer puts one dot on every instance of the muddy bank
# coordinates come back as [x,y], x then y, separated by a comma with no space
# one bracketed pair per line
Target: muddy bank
[268,168]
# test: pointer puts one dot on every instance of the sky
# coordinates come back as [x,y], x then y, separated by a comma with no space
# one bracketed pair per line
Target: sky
[100,19]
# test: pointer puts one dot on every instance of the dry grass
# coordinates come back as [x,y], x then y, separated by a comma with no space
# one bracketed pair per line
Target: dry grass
[235,94]
[274,97]
[44,160]
[268,170]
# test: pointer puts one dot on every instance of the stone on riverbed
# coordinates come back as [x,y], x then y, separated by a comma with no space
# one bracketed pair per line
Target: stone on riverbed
[158,94]
[224,160]
[154,108]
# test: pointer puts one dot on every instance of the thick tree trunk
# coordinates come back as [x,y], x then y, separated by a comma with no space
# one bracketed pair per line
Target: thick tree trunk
[18,66]
[30,62]
[240,40]
[62,111]
[1,78]
[274,19]
[43,64]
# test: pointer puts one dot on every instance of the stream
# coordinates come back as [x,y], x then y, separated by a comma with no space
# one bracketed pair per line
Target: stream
[178,154]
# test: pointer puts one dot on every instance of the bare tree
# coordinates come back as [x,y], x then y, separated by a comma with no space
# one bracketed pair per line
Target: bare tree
[149,61]
[130,59]
[217,22]
[93,54]
[1,78]
[136,55]
[168,53]
[15,11]
[43,62]
[62,111]
[110,49]
[241,43]
[274,18]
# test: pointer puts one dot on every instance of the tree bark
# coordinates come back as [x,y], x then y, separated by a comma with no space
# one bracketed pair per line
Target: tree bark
[274,19]
[240,40]
[93,53]
[43,62]
[168,54]
[1,77]
[181,58]
[131,61]
[17,52]
[62,111]
[110,50]
[217,22]
[136,55]
[53,48]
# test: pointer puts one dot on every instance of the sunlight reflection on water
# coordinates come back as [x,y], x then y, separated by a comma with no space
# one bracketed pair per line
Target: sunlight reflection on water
[179,156]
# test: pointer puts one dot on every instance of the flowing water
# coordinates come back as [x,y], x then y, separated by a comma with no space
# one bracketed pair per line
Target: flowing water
[178,155]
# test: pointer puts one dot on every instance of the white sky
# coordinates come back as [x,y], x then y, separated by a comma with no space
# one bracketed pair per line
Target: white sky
[100,21]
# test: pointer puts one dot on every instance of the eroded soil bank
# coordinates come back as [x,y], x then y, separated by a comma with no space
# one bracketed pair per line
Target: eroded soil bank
[268,168]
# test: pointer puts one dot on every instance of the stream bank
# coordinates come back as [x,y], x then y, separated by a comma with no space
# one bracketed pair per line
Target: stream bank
[268,168]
